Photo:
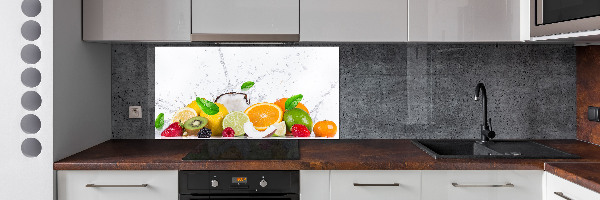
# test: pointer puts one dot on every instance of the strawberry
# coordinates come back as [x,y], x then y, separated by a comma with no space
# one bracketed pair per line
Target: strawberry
[173,130]
[228,132]
[299,130]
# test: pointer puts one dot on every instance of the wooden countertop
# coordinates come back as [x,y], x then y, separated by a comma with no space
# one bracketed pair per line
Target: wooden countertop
[581,173]
[314,155]
[331,155]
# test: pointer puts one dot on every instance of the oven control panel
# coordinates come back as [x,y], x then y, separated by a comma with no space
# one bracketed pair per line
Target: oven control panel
[239,183]
[225,182]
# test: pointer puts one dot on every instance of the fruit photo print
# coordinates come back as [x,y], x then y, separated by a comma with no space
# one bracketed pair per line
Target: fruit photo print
[246,93]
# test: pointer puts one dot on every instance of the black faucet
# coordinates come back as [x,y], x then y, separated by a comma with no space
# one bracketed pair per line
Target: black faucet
[486,129]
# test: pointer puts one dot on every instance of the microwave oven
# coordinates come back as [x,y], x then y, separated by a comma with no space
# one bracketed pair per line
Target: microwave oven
[555,19]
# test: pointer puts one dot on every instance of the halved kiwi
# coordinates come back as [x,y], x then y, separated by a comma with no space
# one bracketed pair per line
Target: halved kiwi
[193,125]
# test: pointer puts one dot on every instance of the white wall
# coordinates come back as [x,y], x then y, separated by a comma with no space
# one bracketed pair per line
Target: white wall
[23,177]
[82,84]
[74,88]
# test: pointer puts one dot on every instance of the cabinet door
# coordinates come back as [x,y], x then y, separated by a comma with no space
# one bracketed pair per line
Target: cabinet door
[380,185]
[561,189]
[482,184]
[117,185]
[468,20]
[314,185]
[245,17]
[354,20]
[136,20]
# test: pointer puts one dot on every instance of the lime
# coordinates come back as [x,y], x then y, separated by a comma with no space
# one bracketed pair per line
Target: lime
[297,116]
[280,132]
[236,121]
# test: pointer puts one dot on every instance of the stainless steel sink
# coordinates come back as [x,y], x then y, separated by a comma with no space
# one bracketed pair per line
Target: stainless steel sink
[492,149]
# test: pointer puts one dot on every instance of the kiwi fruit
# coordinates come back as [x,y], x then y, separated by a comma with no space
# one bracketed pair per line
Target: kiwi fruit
[193,125]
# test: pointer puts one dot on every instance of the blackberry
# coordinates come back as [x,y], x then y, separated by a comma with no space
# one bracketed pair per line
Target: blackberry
[204,133]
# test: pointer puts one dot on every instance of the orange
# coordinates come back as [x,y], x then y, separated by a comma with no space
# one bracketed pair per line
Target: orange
[195,106]
[215,122]
[183,115]
[281,104]
[262,115]
[325,128]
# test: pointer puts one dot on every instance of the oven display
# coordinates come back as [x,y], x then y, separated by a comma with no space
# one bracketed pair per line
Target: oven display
[239,180]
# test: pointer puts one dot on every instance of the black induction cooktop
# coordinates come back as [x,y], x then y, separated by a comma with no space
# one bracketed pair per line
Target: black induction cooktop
[231,149]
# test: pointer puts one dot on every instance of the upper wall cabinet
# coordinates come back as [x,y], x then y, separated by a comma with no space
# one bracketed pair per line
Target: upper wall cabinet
[244,20]
[354,20]
[136,20]
[468,20]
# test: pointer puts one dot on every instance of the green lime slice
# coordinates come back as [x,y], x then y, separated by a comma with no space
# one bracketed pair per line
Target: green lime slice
[236,121]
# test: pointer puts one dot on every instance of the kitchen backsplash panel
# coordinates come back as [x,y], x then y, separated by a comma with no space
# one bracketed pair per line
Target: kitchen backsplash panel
[183,74]
[407,90]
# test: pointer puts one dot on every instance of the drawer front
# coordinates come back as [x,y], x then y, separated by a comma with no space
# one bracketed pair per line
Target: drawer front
[161,185]
[482,184]
[407,185]
[566,190]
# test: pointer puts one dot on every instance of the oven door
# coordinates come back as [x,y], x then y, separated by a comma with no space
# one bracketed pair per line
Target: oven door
[553,17]
[236,197]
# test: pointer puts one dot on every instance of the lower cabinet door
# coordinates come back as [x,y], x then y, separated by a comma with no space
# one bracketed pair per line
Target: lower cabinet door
[482,184]
[314,184]
[117,185]
[561,189]
[375,185]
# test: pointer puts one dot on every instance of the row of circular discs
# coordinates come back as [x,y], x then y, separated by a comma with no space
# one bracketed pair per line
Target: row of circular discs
[31,77]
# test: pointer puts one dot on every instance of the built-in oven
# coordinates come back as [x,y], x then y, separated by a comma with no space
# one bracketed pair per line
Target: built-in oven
[555,17]
[233,185]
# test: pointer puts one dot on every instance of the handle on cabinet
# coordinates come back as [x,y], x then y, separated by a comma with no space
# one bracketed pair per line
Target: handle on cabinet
[94,185]
[505,185]
[560,194]
[362,184]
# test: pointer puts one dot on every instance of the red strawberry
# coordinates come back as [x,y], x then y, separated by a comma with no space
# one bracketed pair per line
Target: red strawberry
[228,132]
[299,130]
[173,130]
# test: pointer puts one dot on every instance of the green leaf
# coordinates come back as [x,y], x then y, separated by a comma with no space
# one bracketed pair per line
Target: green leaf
[160,121]
[293,101]
[247,85]
[207,107]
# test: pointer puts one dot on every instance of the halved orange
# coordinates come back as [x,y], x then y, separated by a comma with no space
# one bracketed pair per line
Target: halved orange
[263,115]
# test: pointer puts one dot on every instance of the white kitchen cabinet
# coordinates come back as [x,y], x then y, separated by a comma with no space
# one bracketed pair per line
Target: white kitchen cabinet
[117,185]
[354,20]
[468,20]
[314,185]
[482,184]
[243,20]
[136,20]
[379,184]
[561,189]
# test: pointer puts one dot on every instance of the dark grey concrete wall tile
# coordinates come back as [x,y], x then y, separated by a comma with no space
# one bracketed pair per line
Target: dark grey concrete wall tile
[372,106]
[130,87]
[373,59]
[409,90]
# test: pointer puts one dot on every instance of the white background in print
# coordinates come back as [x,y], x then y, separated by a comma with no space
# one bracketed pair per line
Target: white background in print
[184,73]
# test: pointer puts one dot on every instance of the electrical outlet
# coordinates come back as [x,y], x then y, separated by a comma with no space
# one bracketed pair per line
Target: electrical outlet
[135,112]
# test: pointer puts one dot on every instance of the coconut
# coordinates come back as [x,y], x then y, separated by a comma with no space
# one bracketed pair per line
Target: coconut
[234,101]
[253,133]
